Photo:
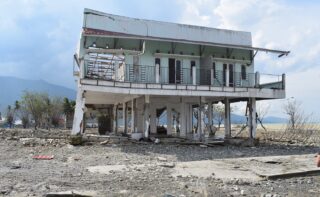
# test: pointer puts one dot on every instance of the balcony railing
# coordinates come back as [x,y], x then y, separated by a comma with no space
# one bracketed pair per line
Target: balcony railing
[184,76]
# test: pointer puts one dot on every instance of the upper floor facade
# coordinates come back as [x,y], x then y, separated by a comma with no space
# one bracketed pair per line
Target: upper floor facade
[126,53]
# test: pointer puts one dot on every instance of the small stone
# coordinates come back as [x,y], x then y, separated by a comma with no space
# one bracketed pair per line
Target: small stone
[268,195]
[236,188]
[203,146]
[242,192]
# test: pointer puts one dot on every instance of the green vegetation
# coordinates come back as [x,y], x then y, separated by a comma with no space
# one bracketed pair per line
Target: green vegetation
[40,110]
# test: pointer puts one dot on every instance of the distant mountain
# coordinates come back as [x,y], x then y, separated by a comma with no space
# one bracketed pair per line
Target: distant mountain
[11,89]
[239,119]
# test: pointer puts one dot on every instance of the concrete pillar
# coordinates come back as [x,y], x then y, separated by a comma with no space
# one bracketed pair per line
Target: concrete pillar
[115,118]
[146,116]
[227,76]
[283,81]
[190,115]
[252,117]
[194,75]
[257,79]
[183,120]
[82,69]
[157,73]
[200,131]
[169,120]
[227,122]
[210,116]
[78,124]
[133,116]
[125,117]
[153,119]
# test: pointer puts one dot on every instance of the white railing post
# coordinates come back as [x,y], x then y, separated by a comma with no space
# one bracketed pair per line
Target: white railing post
[194,75]
[257,79]
[157,73]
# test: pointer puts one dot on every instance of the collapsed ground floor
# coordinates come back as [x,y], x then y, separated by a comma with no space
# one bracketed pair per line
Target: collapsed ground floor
[143,116]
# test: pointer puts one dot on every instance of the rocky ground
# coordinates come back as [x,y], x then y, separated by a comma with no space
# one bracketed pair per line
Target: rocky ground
[21,175]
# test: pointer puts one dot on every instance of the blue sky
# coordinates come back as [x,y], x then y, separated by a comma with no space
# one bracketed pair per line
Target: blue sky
[39,37]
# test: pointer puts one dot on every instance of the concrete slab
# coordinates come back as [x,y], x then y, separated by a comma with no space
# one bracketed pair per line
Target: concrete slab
[250,169]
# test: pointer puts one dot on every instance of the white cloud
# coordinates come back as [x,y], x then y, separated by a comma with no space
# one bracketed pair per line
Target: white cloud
[274,24]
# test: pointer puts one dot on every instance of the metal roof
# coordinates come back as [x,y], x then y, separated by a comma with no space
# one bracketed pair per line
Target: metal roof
[108,25]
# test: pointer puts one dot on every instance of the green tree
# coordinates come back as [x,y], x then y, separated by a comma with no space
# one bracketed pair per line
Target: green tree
[36,104]
[68,109]
[10,116]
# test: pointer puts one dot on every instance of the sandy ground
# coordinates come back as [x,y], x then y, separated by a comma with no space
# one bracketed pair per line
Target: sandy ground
[130,169]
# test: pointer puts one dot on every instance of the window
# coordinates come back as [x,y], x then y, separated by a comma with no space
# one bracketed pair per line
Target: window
[214,70]
[243,72]
[157,61]
[193,63]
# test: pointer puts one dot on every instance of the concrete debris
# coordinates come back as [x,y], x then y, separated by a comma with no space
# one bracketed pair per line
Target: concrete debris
[161,159]
[70,194]
[76,140]
[15,165]
[43,157]
[104,142]
[167,165]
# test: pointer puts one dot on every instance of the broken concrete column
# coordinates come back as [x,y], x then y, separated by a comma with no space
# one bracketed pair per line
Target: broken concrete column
[125,117]
[153,119]
[78,122]
[133,111]
[210,117]
[169,119]
[227,122]
[115,118]
[183,120]
[252,117]
[146,116]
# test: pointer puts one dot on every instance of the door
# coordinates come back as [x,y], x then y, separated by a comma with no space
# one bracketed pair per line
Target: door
[231,80]
[172,71]
[224,74]
[178,71]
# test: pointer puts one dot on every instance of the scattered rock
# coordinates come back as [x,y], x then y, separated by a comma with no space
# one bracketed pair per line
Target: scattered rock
[76,140]
[161,159]
[203,146]
[167,165]
[70,194]
[104,142]
[242,192]
[239,154]
[15,165]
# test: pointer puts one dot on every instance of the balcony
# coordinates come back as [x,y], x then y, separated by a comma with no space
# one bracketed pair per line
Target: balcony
[145,74]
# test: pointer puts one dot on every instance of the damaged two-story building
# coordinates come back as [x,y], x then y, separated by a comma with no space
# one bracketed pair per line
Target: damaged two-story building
[150,72]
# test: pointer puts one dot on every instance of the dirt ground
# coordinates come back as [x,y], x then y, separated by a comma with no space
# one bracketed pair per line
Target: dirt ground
[145,169]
